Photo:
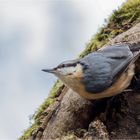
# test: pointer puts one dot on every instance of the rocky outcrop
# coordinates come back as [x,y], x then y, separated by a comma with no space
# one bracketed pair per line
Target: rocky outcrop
[73,117]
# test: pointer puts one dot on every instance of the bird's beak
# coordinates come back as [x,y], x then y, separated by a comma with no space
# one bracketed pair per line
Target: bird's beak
[49,70]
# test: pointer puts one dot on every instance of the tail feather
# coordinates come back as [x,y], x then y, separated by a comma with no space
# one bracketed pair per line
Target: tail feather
[136,55]
[134,47]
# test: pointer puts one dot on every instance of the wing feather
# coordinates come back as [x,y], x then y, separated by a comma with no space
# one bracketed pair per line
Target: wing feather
[105,66]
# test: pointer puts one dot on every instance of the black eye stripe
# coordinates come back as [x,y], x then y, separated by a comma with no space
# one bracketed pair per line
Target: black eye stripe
[66,65]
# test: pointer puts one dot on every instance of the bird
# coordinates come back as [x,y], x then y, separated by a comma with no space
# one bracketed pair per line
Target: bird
[100,74]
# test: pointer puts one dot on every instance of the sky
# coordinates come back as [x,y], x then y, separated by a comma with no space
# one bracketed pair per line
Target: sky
[35,35]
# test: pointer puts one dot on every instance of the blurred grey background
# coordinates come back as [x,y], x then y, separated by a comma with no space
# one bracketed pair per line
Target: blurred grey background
[36,34]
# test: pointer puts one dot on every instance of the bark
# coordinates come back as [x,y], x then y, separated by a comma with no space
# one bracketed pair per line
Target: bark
[110,118]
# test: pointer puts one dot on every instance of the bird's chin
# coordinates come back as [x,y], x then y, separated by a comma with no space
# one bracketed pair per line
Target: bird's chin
[59,77]
[62,78]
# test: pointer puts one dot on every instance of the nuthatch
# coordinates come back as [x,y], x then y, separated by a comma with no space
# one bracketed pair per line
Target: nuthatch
[104,73]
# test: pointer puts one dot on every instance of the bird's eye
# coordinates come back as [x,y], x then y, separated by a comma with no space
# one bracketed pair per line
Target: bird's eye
[67,65]
[61,66]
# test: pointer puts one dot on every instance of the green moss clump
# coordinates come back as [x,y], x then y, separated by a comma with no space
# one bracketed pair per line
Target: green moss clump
[28,132]
[40,113]
[120,20]
[53,94]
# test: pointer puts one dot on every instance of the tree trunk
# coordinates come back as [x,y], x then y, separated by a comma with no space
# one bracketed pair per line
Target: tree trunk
[74,117]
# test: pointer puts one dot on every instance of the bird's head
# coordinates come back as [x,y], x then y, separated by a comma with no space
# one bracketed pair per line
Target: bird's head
[67,71]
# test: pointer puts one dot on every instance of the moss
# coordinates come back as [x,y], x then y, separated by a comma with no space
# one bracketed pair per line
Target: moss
[28,132]
[40,113]
[53,94]
[120,20]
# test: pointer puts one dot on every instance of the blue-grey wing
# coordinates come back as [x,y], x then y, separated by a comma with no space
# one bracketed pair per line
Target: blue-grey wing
[102,68]
[119,56]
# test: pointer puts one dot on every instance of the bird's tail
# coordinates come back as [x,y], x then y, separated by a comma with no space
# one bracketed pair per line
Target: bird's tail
[134,47]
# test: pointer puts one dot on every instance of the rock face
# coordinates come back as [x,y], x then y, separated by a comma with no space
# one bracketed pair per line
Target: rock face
[111,118]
